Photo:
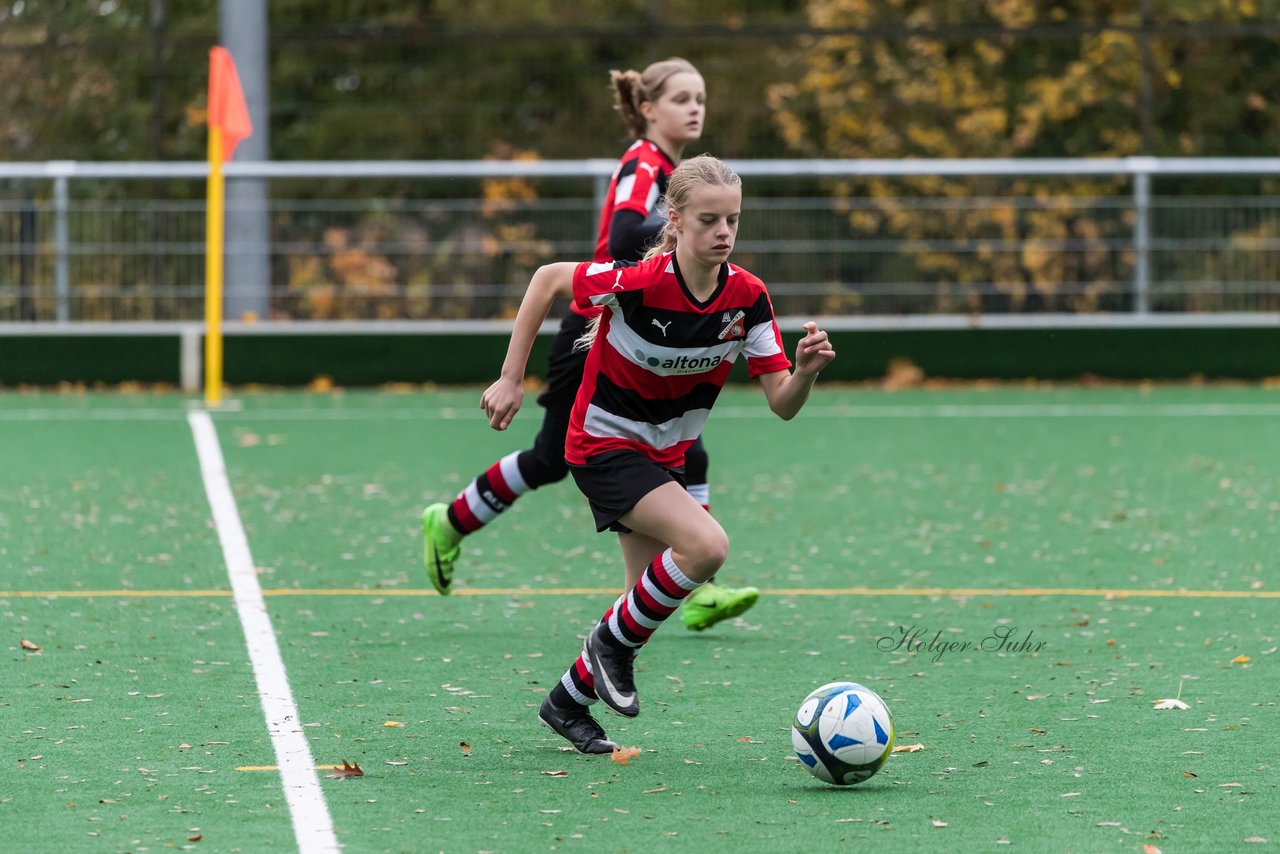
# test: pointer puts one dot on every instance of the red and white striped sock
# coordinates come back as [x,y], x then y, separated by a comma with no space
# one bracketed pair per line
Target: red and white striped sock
[578,684]
[488,495]
[701,493]
[655,597]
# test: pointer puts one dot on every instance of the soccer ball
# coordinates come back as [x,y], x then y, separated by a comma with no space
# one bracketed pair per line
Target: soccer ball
[842,733]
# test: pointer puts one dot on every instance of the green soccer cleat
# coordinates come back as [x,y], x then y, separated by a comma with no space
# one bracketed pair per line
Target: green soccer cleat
[711,603]
[439,546]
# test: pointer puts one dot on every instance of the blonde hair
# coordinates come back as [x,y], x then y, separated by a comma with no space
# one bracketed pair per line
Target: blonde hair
[701,171]
[633,88]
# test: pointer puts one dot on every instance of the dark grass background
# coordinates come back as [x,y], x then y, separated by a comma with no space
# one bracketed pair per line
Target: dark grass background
[1055,750]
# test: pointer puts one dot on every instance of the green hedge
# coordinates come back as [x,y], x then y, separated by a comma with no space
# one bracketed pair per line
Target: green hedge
[359,359]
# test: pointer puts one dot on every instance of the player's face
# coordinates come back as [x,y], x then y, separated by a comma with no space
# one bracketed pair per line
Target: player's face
[677,115]
[708,224]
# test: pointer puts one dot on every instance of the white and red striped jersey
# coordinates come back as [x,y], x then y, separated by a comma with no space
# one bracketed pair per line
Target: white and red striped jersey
[637,184]
[661,356]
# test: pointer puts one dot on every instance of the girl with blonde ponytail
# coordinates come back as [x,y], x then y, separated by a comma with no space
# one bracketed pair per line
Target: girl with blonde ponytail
[671,328]
[663,108]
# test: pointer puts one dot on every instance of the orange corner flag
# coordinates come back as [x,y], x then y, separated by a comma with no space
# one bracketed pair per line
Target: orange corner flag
[227,109]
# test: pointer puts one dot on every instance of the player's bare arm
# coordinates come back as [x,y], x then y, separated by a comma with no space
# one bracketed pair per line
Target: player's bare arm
[501,401]
[787,391]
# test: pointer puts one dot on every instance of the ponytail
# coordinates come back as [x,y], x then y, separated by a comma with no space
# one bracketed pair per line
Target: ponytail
[633,88]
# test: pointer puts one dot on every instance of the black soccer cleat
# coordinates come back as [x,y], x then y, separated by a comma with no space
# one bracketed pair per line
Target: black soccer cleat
[577,725]
[611,667]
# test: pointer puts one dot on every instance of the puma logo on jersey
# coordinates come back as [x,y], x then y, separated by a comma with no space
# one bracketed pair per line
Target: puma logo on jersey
[617,283]
[662,326]
[652,167]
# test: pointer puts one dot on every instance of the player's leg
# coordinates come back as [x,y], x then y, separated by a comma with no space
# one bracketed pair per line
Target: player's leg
[698,547]
[493,491]
[713,602]
[696,464]
[569,699]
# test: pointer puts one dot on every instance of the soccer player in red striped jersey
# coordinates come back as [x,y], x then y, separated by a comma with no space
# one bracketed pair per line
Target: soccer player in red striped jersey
[664,108]
[670,330]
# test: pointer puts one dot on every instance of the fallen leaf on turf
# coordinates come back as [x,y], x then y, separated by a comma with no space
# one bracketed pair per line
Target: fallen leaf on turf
[466,748]
[195,838]
[1171,704]
[746,739]
[346,771]
[624,755]
[908,748]
[30,645]
[394,723]
[1240,659]
[555,773]
[1150,849]
[1189,774]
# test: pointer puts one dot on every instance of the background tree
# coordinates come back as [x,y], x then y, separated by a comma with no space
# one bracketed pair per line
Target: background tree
[997,78]
[435,79]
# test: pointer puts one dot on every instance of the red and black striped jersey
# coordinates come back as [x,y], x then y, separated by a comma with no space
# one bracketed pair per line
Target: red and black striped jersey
[638,182]
[661,356]
[637,185]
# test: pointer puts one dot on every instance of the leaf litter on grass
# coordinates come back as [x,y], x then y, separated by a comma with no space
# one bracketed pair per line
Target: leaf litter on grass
[624,755]
[345,771]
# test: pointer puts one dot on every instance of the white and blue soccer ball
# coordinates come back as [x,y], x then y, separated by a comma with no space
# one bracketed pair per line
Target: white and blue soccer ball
[842,733]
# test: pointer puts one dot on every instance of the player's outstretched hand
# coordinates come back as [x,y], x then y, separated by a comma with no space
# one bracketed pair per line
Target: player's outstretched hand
[501,401]
[814,352]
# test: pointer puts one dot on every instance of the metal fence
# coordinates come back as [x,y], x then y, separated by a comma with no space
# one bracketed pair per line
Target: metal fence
[459,239]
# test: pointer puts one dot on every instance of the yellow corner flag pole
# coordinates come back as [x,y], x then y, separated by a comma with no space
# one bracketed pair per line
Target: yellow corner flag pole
[213,272]
[228,124]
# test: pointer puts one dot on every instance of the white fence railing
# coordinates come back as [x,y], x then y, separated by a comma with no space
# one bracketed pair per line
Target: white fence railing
[429,240]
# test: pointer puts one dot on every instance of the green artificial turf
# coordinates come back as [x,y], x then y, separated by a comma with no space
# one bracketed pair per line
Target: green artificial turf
[1126,535]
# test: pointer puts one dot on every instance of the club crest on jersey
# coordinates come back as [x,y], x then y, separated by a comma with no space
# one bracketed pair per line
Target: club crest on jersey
[733,326]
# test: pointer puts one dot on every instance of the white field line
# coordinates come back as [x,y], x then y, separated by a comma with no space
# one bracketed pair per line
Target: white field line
[816,410]
[312,824]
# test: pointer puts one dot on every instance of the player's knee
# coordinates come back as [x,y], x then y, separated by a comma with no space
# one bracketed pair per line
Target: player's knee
[718,551]
[707,551]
